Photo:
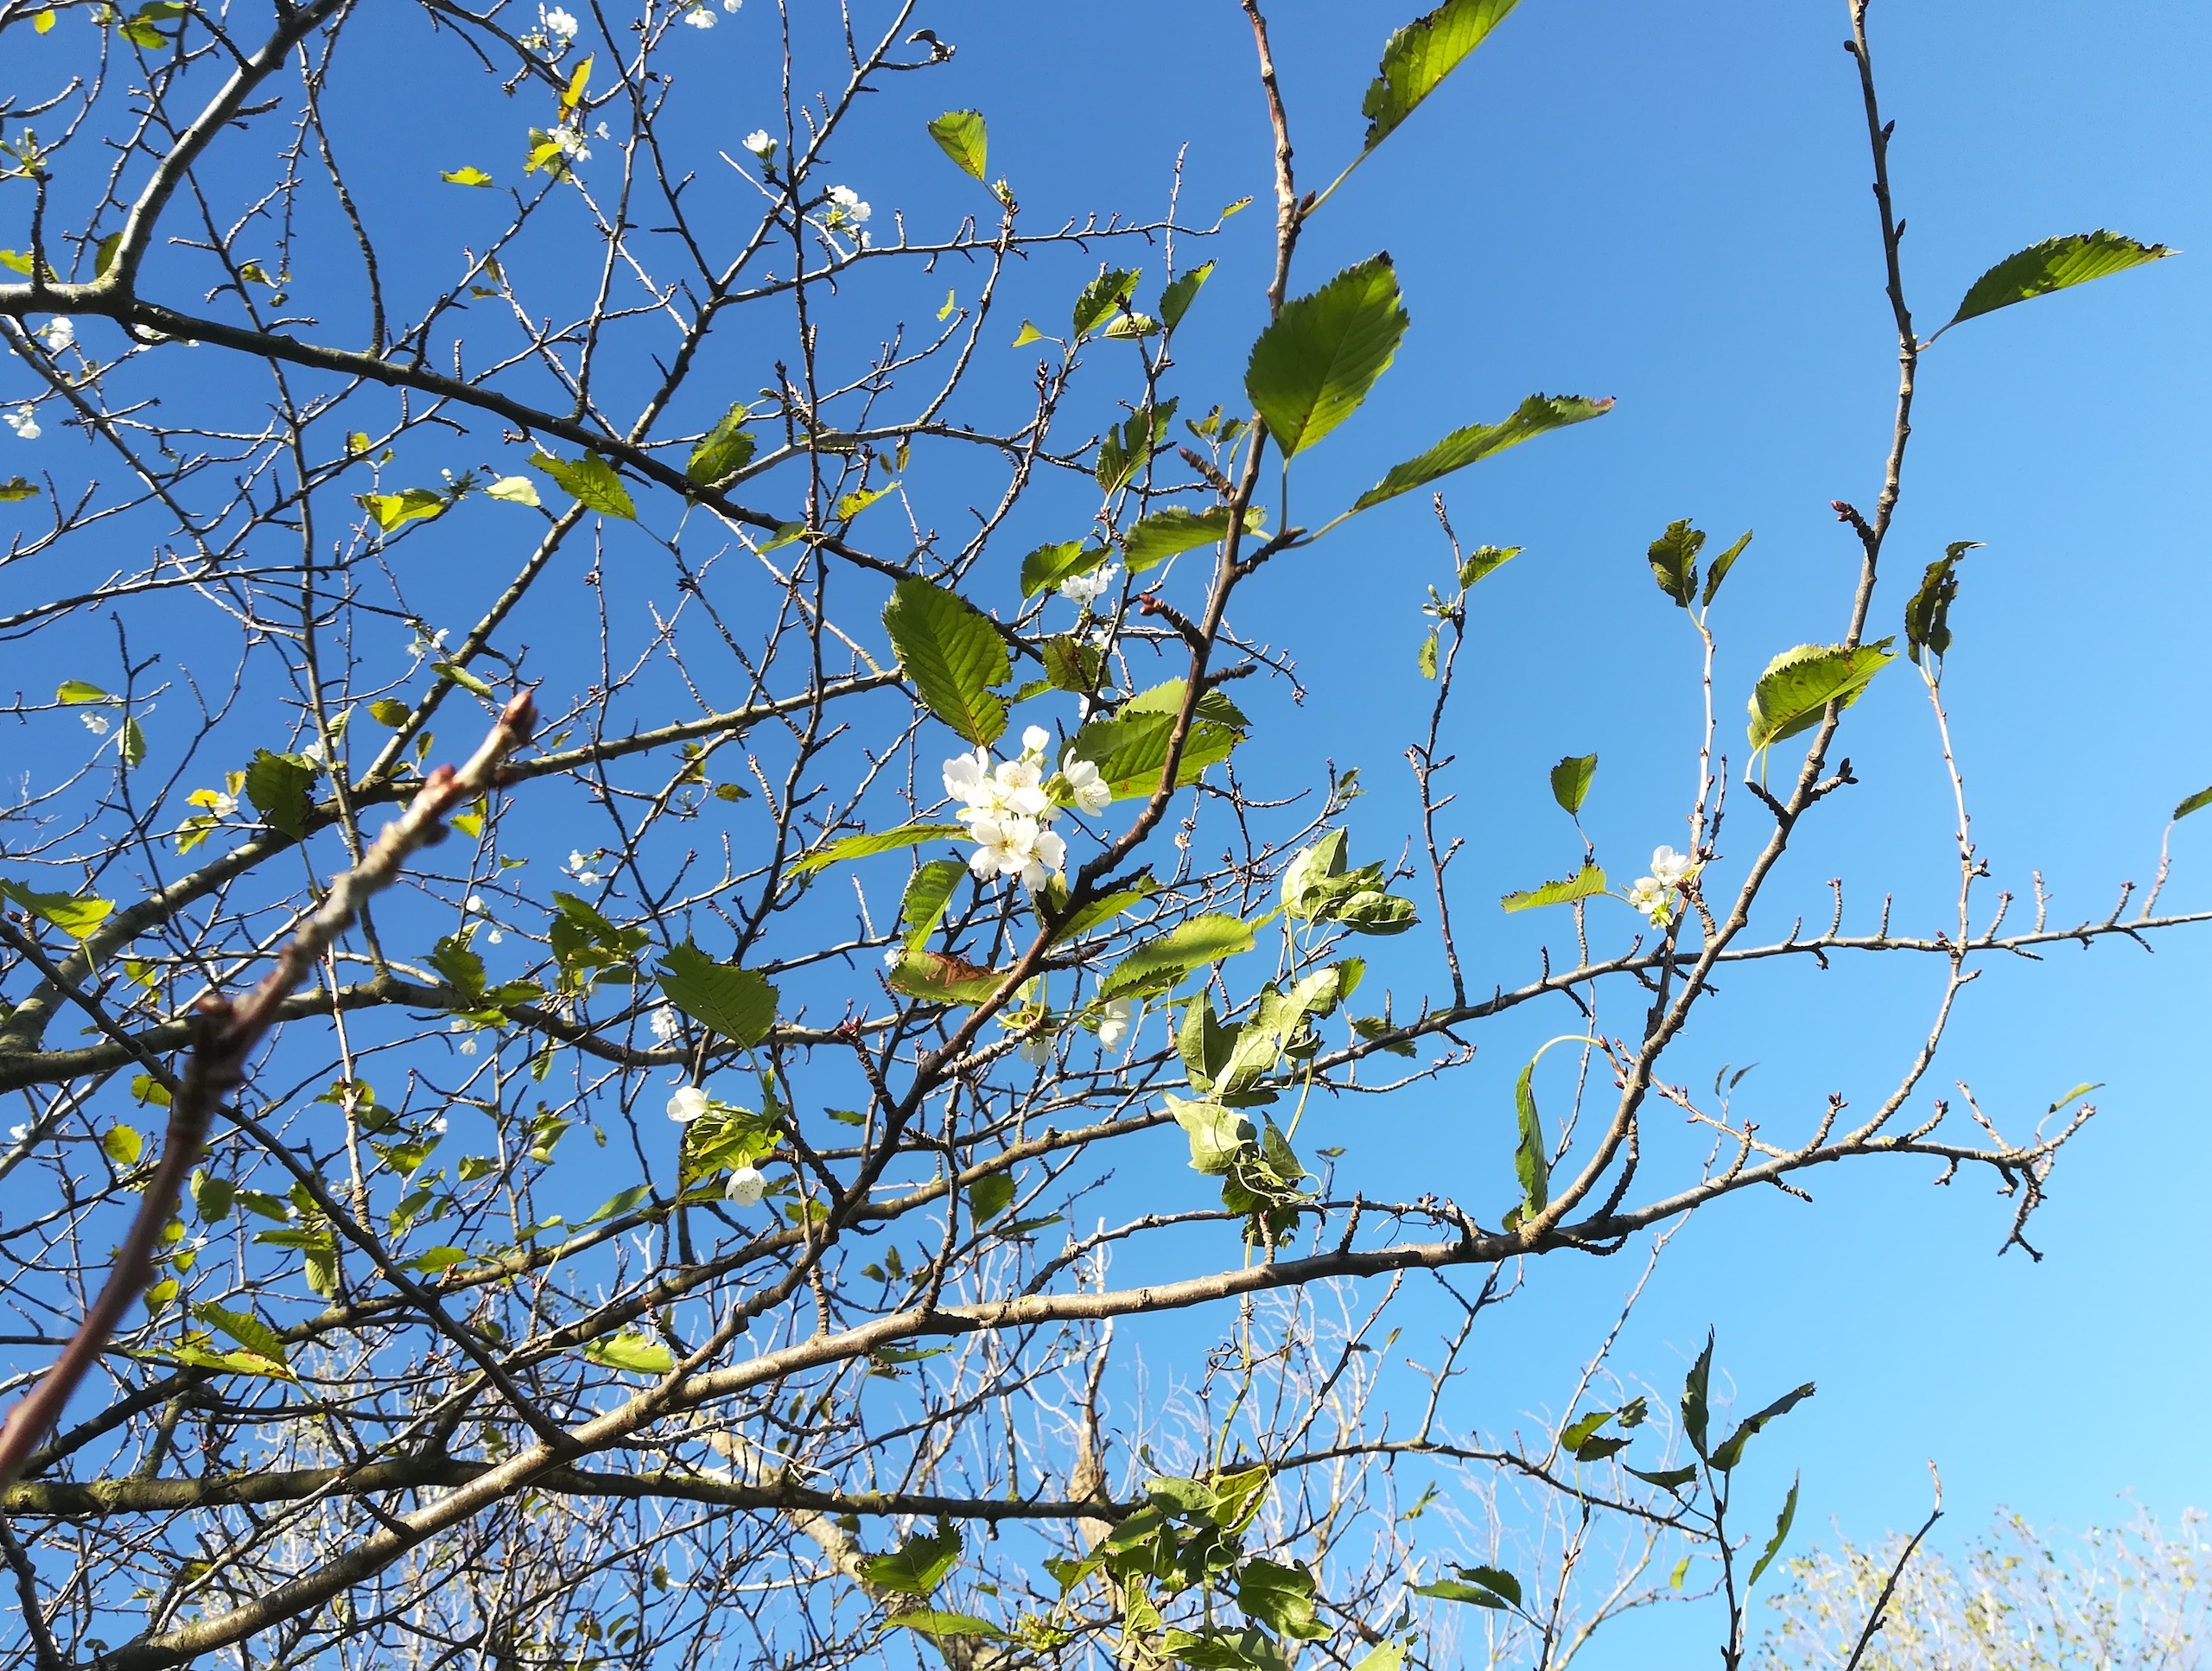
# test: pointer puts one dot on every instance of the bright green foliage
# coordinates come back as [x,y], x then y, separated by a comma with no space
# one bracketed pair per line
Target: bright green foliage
[2056,263]
[1072,665]
[1219,1136]
[1175,300]
[124,1144]
[17,488]
[392,511]
[1130,749]
[1534,417]
[960,136]
[1721,565]
[1102,298]
[1783,1522]
[1048,565]
[1129,446]
[75,918]
[728,449]
[280,787]
[1159,965]
[1281,1597]
[933,1623]
[2196,803]
[1478,1587]
[953,653]
[1486,561]
[990,1195]
[467,176]
[1673,560]
[74,693]
[1419,56]
[918,1565]
[881,840]
[929,891]
[591,482]
[590,949]
[1317,886]
[1311,367]
[637,1354]
[249,1330]
[1165,533]
[1531,1160]
[1571,780]
[1798,685]
[738,1003]
[1927,617]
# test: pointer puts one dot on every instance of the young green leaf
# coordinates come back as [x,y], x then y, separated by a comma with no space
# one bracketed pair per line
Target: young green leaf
[1697,1409]
[591,482]
[1534,416]
[1165,533]
[249,1330]
[392,511]
[1731,1450]
[2196,803]
[961,137]
[933,1623]
[1571,780]
[1028,335]
[1175,300]
[1048,565]
[1311,369]
[467,176]
[1486,561]
[1673,560]
[73,693]
[1721,565]
[1586,883]
[2056,263]
[17,488]
[929,891]
[1101,300]
[738,1003]
[919,1565]
[1798,685]
[637,1354]
[514,490]
[989,1196]
[1427,659]
[1781,1524]
[952,652]
[1419,56]
[1219,1137]
[881,840]
[1927,616]
[1281,1597]
[1531,1160]
[726,450]
[1162,963]
[280,788]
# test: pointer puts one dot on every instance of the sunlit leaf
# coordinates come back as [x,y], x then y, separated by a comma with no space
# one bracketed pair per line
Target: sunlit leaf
[591,482]
[960,136]
[1571,780]
[953,653]
[1585,883]
[637,1354]
[728,449]
[467,176]
[2056,263]
[1534,416]
[392,511]
[76,918]
[740,1004]
[881,840]
[1419,56]
[1798,685]
[1311,369]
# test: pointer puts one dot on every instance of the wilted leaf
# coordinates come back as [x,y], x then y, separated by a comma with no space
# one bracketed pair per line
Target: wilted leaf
[1927,616]
[391,510]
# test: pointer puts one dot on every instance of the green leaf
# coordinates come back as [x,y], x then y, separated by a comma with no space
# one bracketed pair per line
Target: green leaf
[1427,659]
[1673,560]
[989,1196]
[392,511]
[952,652]
[1311,369]
[881,840]
[514,490]
[849,505]
[1165,533]
[931,1622]
[1106,908]
[1571,780]
[591,482]
[726,450]
[1175,300]
[919,1565]
[1390,1656]
[104,256]
[1669,1480]
[281,787]
[467,176]
[1048,565]
[1531,1160]
[929,890]
[1219,1136]
[1927,617]
[941,978]
[17,488]
[738,1003]
[961,137]
[1697,1410]
[1452,1590]
[147,1089]
[1130,749]
[75,693]
[122,1144]
[1534,416]
[1072,665]
[616,1205]
[1281,1597]
[249,1330]
[2196,803]
[1781,1524]
[1585,883]
[389,711]
[637,1354]
[1484,561]
[76,918]
[1419,56]
[462,676]
[134,744]
[1101,300]
[16,261]
[1161,964]
[211,1196]
[1798,685]
[1028,335]
[2056,263]
[1731,1450]
[1721,565]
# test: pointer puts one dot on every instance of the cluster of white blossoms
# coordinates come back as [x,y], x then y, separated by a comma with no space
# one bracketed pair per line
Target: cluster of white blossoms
[1657,895]
[1008,808]
[556,28]
[700,18]
[56,335]
[667,1028]
[23,421]
[747,1184]
[581,868]
[1085,589]
[848,214]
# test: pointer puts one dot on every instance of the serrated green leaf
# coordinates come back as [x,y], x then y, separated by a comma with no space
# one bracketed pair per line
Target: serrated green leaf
[929,1622]
[1165,533]
[2056,263]
[17,488]
[1927,616]
[1721,565]
[1311,369]
[637,1354]
[1571,780]
[1798,685]
[391,510]
[961,134]
[1130,749]
[1101,300]
[1585,883]
[1419,56]
[280,788]
[122,1144]
[1697,1409]
[249,1330]
[1175,300]
[1280,1597]
[1673,560]
[989,1196]
[953,653]
[76,918]
[1531,1160]
[918,1565]
[1162,963]
[1425,660]
[1072,665]
[2196,803]
[1534,417]
[740,1004]
[728,449]
[1453,1590]
[929,891]
[1783,1522]
[1048,565]
[591,482]
[881,840]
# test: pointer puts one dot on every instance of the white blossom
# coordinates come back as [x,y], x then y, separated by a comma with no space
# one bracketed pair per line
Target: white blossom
[1091,792]
[438,1125]
[95,723]
[1015,846]
[1036,739]
[688,1103]
[467,1046]
[494,938]
[846,208]
[475,902]
[1670,868]
[16,1133]
[222,805]
[1120,1020]
[760,144]
[558,22]
[733,5]
[57,334]
[746,1186]
[665,1025]
[1088,588]
[571,141]
[700,18]
[1652,898]
[1037,1048]
[23,421]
